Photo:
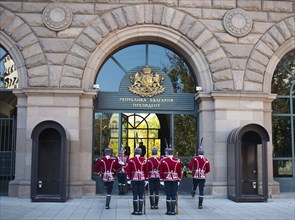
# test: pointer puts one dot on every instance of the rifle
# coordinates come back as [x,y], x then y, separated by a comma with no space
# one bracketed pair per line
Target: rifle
[176,204]
[136,139]
[201,142]
[144,205]
[166,143]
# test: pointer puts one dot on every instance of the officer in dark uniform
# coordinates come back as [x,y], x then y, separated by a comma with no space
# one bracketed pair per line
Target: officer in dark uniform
[137,172]
[154,178]
[170,173]
[105,167]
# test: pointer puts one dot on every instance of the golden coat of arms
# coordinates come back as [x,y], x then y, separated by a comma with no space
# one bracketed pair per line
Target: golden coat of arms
[146,83]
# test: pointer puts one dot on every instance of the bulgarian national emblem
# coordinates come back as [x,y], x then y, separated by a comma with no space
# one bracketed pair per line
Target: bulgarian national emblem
[146,83]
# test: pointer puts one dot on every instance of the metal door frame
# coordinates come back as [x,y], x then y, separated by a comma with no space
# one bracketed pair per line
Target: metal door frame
[64,163]
[7,153]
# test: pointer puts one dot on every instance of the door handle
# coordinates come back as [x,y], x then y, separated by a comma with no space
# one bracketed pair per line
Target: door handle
[40,183]
[254,185]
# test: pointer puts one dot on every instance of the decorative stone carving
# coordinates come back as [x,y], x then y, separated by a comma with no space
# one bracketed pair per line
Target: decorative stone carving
[57,16]
[146,83]
[237,22]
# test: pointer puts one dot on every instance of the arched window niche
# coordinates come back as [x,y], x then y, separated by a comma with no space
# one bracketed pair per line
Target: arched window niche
[146,80]
[148,55]
[283,83]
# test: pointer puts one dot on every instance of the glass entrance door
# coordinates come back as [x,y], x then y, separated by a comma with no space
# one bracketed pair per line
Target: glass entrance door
[141,128]
[115,130]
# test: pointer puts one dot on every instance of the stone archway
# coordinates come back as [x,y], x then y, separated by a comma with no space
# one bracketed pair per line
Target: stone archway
[23,45]
[168,37]
[275,43]
[158,22]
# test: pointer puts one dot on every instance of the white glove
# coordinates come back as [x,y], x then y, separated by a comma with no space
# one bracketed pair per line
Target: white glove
[129,182]
[178,183]
[146,182]
[121,163]
[162,183]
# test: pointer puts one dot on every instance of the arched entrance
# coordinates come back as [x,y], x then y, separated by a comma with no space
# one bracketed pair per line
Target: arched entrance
[247,163]
[146,94]
[49,162]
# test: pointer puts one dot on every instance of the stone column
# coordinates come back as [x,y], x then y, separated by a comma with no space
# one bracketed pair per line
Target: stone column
[20,186]
[206,123]
[81,184]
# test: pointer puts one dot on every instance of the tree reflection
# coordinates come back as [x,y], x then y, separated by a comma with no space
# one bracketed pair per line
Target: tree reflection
[283,86]
[184,124]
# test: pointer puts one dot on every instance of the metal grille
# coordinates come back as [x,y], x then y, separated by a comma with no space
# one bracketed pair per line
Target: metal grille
[7,153]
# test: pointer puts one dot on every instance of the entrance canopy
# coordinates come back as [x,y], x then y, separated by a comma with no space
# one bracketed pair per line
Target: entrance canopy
[247,163]
[236,134]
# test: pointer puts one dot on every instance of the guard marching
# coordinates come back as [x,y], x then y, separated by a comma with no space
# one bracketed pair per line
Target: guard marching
[170,173]
[122,176]
[154,178]
[105,167]
[137,172]
[200,166]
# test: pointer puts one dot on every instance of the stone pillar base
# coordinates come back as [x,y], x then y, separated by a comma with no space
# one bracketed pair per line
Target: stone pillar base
[273,189]
[219,190]
[22,189]
[19,188]
[80,189]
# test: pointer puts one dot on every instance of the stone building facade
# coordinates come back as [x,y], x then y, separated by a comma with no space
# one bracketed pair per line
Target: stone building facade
[58,47]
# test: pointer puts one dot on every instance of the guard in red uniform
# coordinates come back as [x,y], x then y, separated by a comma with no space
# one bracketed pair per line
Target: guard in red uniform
[105,167]
[154,178]
[122,176]
[170,173]
[137,172]
[200,166]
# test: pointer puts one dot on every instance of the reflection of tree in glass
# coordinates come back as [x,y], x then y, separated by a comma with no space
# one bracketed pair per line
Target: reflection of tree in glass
[281,137]
[284,75]
[101,132]
[184,125]
[184,135]
[180,75]
[283,85]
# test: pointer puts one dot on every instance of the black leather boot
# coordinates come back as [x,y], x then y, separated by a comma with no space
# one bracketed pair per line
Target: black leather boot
[172,209]
[200,206]
[140,207]
[135,207]
[108,200]
[168,206]
[156,201]
[152,201]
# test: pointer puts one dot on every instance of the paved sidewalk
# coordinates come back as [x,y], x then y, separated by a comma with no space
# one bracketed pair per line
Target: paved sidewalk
[121,207]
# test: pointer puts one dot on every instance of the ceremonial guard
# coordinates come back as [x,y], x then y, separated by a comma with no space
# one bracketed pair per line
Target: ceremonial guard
[105,167]
[154,178]
[170,173]
[122,176]
[137,172]
[200,166]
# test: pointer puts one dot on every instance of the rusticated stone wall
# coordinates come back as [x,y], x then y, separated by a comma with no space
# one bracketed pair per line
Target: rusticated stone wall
[58,58]
[233,47]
